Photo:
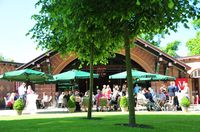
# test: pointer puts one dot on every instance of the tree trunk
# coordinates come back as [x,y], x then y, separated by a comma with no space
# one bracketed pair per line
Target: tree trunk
[89,116]
[131,99]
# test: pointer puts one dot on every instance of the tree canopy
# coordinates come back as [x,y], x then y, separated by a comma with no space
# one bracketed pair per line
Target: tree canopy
[171,48]
[72,26]
[194,45]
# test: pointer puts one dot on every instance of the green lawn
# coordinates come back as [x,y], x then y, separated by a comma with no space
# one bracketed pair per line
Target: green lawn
[104,122]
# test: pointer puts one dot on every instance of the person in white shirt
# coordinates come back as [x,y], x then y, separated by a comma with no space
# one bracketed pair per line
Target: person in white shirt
[185,91]
[22,90]
[45,99]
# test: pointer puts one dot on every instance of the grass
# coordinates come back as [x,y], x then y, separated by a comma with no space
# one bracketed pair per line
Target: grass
[103,122]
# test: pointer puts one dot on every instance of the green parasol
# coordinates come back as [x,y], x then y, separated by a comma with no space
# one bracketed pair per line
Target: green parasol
[135,74]
[73,74]
[25,75]
[158,77]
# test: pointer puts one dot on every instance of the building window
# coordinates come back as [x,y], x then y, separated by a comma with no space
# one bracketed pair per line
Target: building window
[195,74]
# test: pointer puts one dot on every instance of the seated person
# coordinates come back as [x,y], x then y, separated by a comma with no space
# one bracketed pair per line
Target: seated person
[9,100]
[44,100]
[148,95]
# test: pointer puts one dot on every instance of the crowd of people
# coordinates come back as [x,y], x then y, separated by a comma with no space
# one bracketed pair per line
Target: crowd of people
[163,97]
[30,98]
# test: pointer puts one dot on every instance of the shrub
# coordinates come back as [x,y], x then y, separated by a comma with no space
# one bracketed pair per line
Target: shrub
[71,102]
[85,101]
[185,102]
[2,103]
[103,101]
[18,104]
[123,102]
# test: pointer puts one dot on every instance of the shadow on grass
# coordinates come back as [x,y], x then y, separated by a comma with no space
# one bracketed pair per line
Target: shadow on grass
[52,112]
[135,126]
[93,118]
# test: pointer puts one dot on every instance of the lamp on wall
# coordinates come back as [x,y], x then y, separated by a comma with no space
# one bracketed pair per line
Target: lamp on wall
[160,59]
[169,64]
[38,65]
[47,60]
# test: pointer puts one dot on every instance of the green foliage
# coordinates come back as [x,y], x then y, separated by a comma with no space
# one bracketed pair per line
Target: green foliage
[2,58]
[71,102]
[18,104]
[171,48]
[185,102]
[123,102]
[194,45]
[196,23]
[103,101]
[73,26]
[85,101]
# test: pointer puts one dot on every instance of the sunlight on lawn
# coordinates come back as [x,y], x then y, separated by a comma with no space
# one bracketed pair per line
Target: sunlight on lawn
[102,122]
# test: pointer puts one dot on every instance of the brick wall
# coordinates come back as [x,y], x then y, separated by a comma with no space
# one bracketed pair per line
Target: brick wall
[6,86]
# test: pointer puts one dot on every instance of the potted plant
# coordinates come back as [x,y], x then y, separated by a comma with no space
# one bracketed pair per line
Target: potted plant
[2,103]
[124,103]
[71,104]
[185,103]
[85,103]
[102,102]
[19,106]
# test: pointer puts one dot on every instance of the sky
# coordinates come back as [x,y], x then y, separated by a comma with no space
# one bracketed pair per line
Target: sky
[15,22]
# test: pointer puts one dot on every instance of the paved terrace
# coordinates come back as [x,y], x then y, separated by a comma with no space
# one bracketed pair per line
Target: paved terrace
[52,110]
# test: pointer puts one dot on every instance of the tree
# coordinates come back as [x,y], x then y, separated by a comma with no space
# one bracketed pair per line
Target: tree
[2,58]
[107,23]
[171,48]
[134,18]
[73,26]
[194,45]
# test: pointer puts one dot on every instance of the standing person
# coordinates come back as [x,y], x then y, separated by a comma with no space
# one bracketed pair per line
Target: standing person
[56,98]
[136,89]
[115,96]
[108,96]
[29,90]
[97,98]
[31,102]
[108,92]
[104,89]
[171,91]
[185,91]
[163,88]
[22,91]
[61,100]
[66,96]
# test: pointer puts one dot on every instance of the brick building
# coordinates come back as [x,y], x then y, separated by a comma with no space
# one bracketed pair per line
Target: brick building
[194,72]
[144,56]
[7,86]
